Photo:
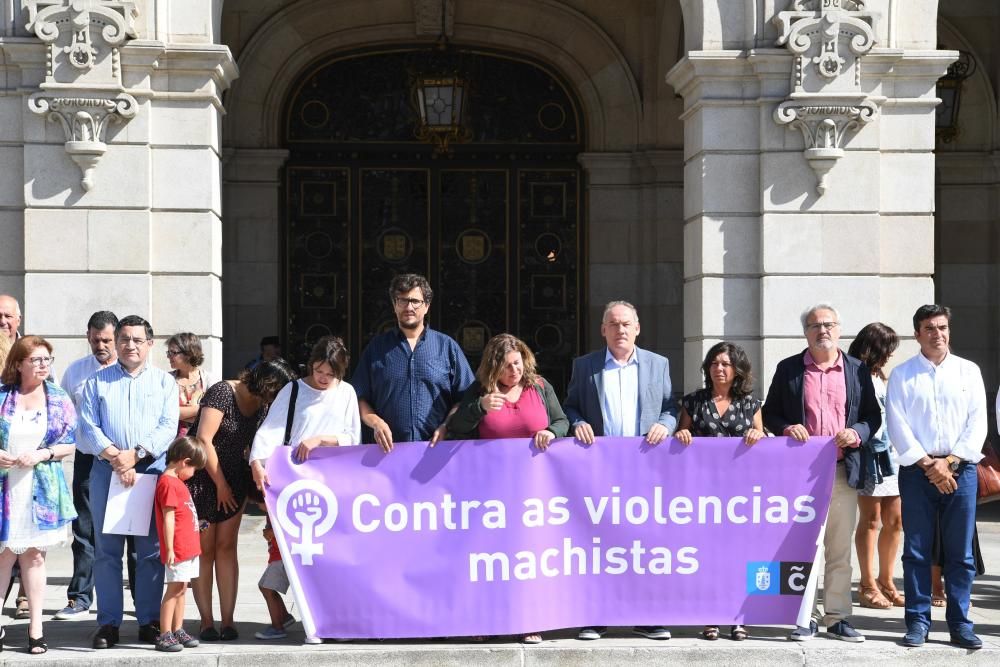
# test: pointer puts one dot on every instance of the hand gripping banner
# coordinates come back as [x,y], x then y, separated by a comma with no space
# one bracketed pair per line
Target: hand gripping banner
[491,537]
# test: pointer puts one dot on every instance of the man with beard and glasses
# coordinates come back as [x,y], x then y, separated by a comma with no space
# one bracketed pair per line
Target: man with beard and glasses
[825,392]
[408,380]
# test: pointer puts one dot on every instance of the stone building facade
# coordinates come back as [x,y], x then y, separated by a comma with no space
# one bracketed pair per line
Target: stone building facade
[731,163]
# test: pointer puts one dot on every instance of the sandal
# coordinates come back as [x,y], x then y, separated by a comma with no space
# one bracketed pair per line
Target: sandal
[711,633]
[738,633]
[892,594]
[871,598]
[532,638]
[37,644]
[22,611]
[938,600]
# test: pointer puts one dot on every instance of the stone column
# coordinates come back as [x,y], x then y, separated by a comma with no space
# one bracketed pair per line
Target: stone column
[809,176]
[634,245]
[968,254]
[119,174]
[252,262]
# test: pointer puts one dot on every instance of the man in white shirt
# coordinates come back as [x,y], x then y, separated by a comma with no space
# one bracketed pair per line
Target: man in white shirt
[101,338]
[621,390]
[936,414]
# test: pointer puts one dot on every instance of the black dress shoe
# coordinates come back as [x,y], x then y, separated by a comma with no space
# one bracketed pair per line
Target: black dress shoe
[966,638]
[106,636]
[149,633]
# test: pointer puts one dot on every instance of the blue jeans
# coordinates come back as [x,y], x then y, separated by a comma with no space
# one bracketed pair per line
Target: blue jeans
[81,584]
[923,508]
[108,562]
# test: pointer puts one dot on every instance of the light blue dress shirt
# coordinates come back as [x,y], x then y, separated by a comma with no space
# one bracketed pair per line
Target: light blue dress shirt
[621,396]
[127,412]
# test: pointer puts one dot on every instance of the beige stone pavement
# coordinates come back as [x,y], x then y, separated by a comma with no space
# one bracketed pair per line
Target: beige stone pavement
[70,640]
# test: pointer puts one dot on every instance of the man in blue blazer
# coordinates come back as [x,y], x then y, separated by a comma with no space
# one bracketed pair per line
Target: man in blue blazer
[621,390]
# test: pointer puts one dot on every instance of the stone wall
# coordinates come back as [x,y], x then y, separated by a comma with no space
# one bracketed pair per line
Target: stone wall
[112,170]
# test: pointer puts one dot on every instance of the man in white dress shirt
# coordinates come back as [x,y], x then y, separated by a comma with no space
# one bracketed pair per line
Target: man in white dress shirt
[936,413]
[101,338]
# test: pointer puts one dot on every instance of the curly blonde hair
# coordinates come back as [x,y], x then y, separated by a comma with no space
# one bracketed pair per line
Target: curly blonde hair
[494,360]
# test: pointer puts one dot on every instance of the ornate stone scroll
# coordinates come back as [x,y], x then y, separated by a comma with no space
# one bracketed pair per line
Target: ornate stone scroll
[828,39]
[83,90]
[84,121]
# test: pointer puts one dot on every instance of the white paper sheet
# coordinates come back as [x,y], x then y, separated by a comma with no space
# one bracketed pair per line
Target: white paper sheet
[128,510]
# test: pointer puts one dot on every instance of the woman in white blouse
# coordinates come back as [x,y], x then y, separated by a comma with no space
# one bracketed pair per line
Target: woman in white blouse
[325,413]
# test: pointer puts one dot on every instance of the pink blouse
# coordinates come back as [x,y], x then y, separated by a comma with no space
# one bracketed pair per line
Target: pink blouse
[521,419]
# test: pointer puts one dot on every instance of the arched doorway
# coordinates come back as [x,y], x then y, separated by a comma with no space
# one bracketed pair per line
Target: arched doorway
[496,225]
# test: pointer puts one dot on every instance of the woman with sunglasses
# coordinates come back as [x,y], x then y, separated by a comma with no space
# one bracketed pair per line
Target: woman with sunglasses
[185,357]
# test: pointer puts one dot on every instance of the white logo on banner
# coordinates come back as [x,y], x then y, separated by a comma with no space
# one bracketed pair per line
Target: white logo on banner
[312,513]
[763,579]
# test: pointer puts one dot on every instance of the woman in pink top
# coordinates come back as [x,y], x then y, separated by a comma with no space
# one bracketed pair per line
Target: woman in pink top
[509,400]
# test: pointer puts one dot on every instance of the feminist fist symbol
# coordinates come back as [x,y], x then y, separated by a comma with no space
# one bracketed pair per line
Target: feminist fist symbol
[307,510]
[305,519]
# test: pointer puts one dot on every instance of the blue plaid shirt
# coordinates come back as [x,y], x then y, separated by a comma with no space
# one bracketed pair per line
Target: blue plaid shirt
[412,390]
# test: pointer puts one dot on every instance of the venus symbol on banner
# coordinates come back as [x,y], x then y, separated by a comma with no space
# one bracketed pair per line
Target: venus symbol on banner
[313,511]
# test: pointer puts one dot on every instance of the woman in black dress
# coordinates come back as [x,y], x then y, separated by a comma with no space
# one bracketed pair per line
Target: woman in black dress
[230,413]
[725,408]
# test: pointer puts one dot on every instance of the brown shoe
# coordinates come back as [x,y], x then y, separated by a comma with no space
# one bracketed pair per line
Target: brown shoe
[870,597]
[892,594]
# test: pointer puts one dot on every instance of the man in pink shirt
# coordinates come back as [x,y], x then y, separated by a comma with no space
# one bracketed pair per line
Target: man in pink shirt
[824,392]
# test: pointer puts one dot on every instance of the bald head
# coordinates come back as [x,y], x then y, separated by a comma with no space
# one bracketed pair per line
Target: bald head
[10,316]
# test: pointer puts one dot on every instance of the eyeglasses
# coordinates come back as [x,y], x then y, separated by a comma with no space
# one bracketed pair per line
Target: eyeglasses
[173,353]
[826,326]
[38,362]
[125,340]
[403,302]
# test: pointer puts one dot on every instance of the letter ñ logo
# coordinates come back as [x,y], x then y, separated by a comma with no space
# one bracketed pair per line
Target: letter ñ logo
[794,576]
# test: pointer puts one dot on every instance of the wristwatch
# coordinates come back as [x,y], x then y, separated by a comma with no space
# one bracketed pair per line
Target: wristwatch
[141,453]
[953,462]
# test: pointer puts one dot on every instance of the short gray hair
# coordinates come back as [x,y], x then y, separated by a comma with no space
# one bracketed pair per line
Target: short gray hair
[611,304]
[812,309]
[17,306]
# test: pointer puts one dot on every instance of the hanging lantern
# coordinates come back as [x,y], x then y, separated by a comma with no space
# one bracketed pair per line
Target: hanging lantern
[441,103]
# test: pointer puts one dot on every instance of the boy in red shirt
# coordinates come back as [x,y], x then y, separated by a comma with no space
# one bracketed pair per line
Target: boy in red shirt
[180,546]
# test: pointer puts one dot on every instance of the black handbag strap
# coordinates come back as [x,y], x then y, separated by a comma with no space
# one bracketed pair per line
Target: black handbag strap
[291,413]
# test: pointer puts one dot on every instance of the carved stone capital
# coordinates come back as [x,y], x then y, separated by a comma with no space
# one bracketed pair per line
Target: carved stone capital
[824,129]
[828,39]
[84,121]
[82,35]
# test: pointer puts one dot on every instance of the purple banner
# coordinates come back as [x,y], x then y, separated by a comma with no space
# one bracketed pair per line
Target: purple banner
[490,537]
